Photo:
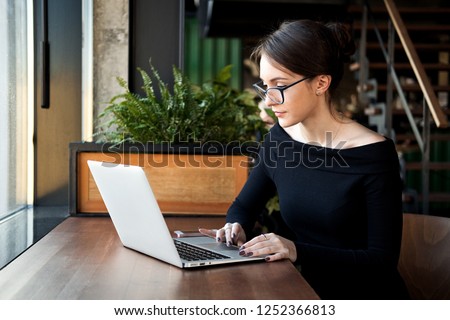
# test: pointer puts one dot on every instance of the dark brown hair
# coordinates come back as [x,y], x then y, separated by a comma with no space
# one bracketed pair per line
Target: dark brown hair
[309,48]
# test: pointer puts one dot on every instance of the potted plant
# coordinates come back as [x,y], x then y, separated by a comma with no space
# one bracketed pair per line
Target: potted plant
[191,139]
[211,112]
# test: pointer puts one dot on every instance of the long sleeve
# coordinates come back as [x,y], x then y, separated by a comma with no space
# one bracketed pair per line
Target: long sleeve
[250,202]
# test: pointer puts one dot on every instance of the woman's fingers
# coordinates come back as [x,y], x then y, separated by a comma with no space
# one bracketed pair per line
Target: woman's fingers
[208,232]
[234,234]
[230,234]
[272,245]
[258,240]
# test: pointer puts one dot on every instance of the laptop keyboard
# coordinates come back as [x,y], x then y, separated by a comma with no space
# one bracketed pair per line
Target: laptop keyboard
[191,253]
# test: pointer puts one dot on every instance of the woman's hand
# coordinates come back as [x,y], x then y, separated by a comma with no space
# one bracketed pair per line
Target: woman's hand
[230,233]
[272,245]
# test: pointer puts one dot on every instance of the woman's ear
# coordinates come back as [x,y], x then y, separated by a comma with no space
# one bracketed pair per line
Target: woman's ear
[322,84]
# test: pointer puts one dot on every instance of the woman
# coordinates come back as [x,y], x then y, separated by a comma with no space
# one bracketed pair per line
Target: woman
[338,182]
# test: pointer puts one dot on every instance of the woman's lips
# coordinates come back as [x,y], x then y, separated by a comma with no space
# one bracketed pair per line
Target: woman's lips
[279,113]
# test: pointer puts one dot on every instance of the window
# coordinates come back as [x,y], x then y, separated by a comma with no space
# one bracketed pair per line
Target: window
[16,110]
[14,114]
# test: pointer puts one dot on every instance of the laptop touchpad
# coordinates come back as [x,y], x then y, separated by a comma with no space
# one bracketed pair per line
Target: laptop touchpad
[217,246]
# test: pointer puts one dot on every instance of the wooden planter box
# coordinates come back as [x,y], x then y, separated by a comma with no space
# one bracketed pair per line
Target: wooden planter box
[194,179]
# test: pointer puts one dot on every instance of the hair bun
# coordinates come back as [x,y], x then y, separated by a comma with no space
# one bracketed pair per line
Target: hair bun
[344,41]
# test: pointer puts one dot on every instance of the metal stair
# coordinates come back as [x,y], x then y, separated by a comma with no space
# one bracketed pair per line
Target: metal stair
[419,123]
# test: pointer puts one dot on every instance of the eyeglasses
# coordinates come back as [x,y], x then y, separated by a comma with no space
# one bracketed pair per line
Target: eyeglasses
[275,94]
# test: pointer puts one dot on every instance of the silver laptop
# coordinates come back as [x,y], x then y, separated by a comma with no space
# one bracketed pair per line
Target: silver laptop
[140,224]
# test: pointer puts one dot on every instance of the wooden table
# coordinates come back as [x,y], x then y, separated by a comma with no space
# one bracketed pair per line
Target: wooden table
[83,258]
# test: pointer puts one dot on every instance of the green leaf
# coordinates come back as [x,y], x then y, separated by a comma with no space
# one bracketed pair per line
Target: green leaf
[185,112]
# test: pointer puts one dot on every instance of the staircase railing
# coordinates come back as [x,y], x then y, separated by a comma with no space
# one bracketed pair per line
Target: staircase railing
[429,95]
[430,102]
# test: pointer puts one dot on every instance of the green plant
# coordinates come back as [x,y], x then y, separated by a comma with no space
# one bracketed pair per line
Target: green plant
[212,111]
[273,205]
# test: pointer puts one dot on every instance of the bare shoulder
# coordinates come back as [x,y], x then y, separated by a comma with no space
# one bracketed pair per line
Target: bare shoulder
[357,135]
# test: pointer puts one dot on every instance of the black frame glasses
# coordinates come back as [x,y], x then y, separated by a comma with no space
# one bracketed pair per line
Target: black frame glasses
[263,93]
